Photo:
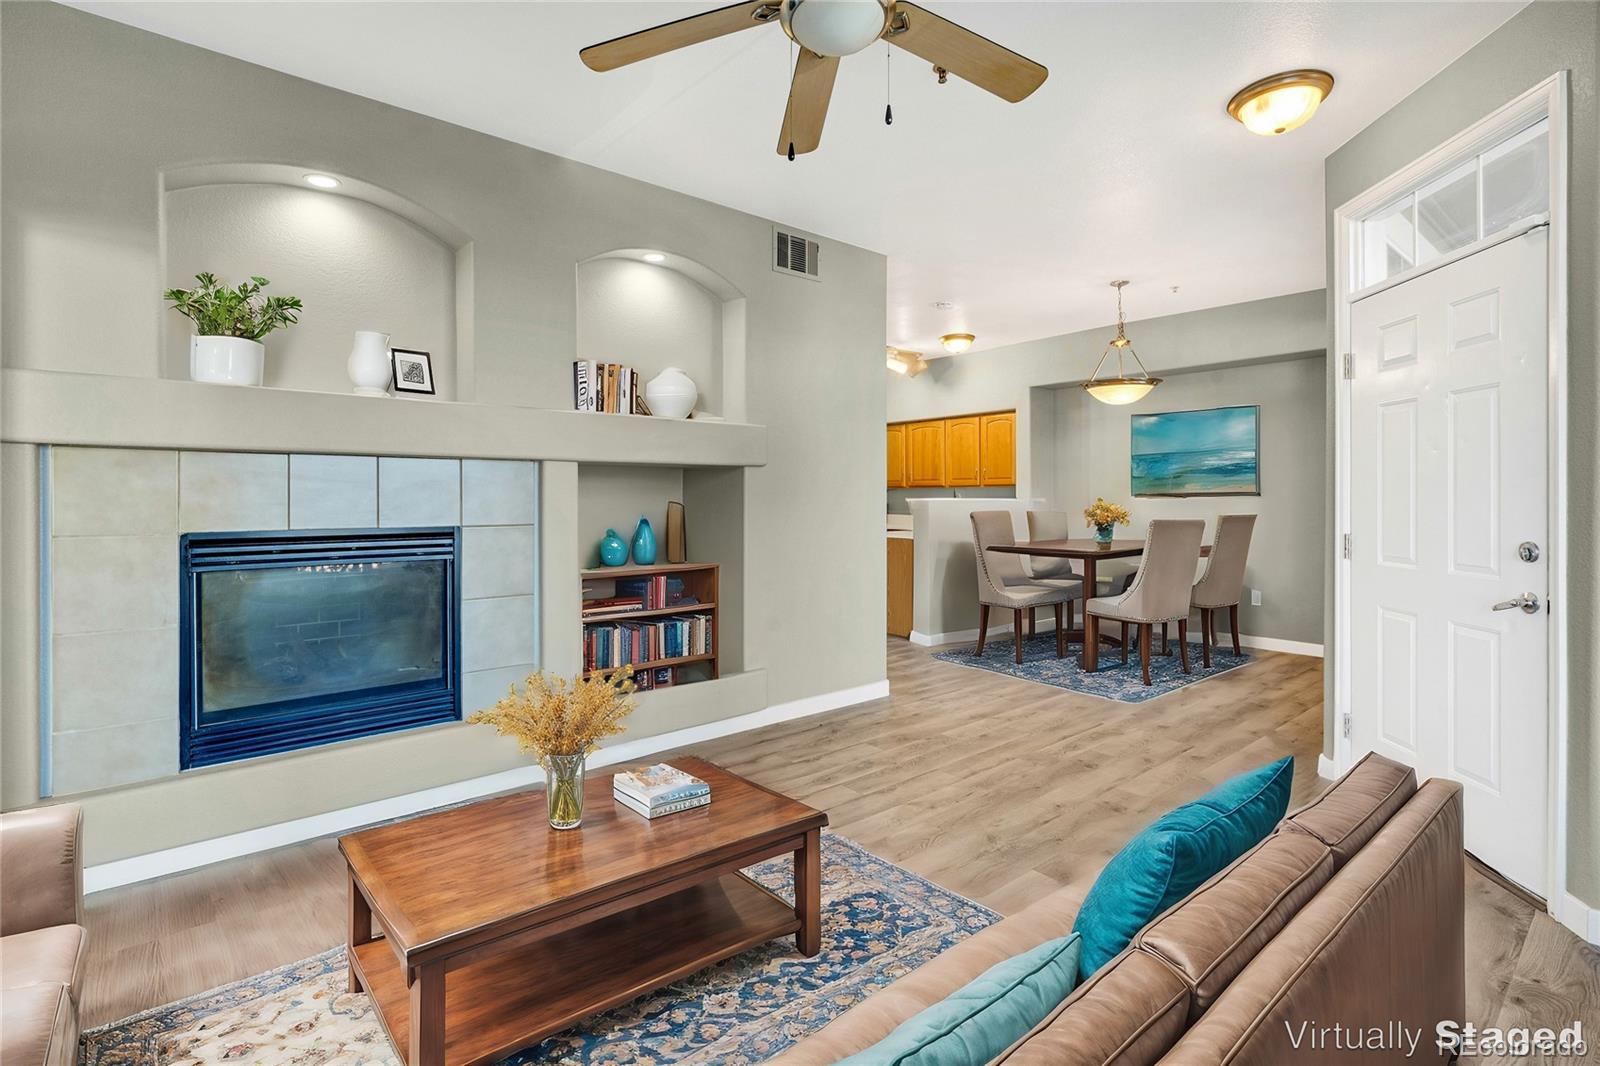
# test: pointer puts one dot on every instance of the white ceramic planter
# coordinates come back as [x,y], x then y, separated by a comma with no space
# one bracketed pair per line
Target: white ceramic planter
[369,365]
[226,360]
[671,394]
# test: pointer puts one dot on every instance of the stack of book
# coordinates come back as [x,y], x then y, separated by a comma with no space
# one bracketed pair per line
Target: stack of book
[659,789]
[612,605]
[610,388]
[611,644]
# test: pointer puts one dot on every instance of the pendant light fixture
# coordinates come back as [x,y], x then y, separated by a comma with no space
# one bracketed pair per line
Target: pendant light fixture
[1125,387]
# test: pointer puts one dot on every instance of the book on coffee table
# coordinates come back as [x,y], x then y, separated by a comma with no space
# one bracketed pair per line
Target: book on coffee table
[660,809]
[652,788]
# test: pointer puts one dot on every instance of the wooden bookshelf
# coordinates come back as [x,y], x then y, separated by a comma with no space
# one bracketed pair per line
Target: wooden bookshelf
[700,580]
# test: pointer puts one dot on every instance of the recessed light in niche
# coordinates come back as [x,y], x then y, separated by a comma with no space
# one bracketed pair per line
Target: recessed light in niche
[653,257]
[322,181]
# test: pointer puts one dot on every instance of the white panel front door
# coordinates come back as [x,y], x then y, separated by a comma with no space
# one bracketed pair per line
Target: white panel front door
[1447,481]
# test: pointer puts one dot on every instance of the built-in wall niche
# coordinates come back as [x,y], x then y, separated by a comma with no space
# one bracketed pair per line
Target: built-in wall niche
[651,309]
[359,257]
[614,496]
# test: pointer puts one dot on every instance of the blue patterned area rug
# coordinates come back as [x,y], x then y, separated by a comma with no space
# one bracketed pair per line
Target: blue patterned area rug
[879,922]
[1112,681]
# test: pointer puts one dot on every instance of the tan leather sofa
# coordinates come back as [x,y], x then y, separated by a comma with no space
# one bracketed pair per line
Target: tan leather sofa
[1350,914]
[41,936]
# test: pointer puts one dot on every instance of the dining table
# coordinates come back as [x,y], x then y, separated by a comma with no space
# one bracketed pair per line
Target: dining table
[1089,552]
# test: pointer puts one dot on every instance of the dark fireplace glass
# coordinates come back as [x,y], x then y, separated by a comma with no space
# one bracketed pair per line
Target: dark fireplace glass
[292,639]
[275,635]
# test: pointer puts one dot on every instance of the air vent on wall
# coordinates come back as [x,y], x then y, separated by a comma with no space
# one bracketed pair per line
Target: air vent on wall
[794,254]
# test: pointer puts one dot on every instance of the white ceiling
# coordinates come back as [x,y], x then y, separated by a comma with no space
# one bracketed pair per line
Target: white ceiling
[1123,165]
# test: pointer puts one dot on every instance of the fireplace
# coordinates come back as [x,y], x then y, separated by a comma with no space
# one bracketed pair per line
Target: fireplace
[294,639]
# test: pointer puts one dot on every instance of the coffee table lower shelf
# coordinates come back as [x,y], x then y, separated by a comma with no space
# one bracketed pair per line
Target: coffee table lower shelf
[501,1002]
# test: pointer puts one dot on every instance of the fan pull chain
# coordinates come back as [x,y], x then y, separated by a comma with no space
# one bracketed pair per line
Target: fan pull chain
[888,87]
[788,106]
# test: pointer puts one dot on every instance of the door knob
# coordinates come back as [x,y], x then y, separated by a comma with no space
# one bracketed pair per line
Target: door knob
[1527,601]
[1528,551]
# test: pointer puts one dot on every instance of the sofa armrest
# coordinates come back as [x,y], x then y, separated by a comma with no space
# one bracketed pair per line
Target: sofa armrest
[41,868]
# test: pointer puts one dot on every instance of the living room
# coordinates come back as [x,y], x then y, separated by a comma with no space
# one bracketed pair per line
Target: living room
[371,369]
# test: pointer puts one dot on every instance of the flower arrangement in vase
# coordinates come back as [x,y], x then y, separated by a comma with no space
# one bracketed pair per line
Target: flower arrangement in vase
[1105,517]
[562,722]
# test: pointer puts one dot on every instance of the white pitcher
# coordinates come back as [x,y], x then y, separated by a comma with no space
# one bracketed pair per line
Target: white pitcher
[369,366]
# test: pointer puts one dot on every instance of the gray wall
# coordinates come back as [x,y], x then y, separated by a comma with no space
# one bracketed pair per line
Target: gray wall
[1541,39]
[1013,377]
[1291,531]
[368,268]
[92,113]
[650,318]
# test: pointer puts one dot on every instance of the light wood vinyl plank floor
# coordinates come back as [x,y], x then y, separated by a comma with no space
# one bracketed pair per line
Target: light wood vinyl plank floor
[1000,789]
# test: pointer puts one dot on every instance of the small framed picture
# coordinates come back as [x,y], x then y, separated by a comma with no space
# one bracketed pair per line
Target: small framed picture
[413,371]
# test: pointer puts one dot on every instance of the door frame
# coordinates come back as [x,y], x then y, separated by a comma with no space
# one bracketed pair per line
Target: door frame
[1548,99]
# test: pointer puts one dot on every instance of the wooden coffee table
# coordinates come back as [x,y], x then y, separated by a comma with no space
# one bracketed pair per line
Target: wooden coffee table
[494,930]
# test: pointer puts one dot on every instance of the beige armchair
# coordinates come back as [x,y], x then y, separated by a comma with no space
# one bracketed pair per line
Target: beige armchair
[1159,592]
[1222,585]
[1002,582]
[42,938]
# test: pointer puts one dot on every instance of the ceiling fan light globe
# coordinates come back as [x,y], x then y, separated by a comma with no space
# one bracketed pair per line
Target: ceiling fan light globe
[1119,391]
[835,27]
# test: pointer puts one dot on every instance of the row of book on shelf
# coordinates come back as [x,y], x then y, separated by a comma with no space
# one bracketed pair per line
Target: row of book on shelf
[612,644]
[659,789]
[610,388]
[642,594]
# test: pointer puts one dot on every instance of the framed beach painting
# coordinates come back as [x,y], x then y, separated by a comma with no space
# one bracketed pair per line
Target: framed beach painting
[1214,452]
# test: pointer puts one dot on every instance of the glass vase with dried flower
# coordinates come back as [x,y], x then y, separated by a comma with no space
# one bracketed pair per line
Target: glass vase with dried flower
[561,723]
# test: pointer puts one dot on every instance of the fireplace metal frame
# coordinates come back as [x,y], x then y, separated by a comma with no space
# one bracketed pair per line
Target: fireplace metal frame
[313,721]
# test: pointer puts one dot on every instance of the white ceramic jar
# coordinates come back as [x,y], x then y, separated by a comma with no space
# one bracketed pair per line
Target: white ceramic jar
[226,360]
[369,367]
[671,394]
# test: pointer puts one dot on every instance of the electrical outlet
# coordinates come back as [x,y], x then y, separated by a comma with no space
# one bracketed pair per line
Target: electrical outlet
[1255,597]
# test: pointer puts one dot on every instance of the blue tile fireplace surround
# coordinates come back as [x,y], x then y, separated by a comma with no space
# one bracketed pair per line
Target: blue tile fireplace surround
[290,639]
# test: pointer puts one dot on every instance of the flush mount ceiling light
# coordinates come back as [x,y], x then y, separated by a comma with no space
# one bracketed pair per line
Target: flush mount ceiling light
[907,363]
[956,343]
[1281,102]
[322,181]
[1125,387]
[653,257]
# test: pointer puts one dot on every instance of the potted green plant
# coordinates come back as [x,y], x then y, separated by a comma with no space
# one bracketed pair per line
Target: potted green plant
[229,323]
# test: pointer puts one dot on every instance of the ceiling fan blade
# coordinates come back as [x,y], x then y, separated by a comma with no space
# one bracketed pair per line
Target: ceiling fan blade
[963,53]
[670,36]
[809,93]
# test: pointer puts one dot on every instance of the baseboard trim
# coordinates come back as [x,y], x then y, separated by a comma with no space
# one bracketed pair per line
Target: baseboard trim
[205,852]
[1327,768]
[964,636]
[1581,918]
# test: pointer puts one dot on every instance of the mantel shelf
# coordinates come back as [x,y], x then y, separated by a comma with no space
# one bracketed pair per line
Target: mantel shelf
[51,407]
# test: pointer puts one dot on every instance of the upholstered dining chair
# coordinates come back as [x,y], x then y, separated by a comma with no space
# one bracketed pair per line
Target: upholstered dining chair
[1222,584]
[1159,592]
[1057,573]
[1003,584]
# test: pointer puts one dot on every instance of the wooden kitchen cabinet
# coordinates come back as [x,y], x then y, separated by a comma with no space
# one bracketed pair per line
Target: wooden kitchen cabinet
[962,465]
[902,567]
[925,454]
[998,449]
[897,456]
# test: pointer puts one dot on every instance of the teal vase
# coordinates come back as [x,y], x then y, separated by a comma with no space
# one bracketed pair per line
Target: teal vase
[1102,534]
[644,543]
[613,551]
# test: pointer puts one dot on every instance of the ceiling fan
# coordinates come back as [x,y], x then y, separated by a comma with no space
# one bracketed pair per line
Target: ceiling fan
[825,30]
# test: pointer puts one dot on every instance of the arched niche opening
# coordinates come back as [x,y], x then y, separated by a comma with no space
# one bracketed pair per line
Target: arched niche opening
[358,256]
[676,312]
